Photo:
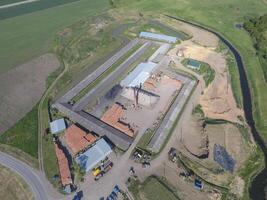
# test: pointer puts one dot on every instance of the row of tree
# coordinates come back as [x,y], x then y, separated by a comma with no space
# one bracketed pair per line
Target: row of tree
[257,28]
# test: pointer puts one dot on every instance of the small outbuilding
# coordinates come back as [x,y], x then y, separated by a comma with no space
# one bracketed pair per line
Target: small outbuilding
[57,126]
[194,64]
[158,37]
[93,156]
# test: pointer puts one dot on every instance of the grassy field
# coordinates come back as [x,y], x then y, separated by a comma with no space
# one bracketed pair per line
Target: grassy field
[5,2]
[24,134]
[151,189]
[13,186]
[23,9]
[27,36]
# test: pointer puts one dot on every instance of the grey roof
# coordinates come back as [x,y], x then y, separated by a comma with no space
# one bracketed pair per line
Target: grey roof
[90,122]
[57,126]
[90,158]
[138,75]
[160,37]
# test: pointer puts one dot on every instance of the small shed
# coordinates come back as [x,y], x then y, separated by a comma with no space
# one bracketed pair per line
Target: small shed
[90,158]
[158,37]
[57,126]
[194,64]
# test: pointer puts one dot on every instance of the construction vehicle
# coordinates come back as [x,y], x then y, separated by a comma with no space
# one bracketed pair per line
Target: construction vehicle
[101,170]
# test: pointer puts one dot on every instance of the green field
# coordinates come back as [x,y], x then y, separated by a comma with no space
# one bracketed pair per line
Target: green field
[5,2]
[24,135]
[27,36]
[152,189]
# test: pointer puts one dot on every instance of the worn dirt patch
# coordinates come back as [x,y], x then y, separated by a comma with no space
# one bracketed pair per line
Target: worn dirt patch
[22,87]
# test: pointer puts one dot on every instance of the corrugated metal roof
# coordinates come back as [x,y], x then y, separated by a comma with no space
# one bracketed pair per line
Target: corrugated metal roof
[160,37]
[57,126]
[94,155]
[139,75]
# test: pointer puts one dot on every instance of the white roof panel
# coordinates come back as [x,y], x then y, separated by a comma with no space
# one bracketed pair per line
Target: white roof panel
[57,126]
[160,37]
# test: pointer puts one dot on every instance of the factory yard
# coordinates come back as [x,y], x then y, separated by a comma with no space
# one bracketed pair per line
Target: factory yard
[119,123]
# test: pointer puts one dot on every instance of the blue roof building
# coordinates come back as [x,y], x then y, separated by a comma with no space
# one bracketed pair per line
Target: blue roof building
[57,126]
[90,158]
[159,37]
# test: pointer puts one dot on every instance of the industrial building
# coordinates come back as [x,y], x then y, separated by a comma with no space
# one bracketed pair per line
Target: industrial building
[158,37]
[94,155]
[57,126]
[63,165]
[139,75]
[77,139]
[113,116]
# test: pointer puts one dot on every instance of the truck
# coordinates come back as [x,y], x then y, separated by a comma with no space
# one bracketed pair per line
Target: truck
[101,170]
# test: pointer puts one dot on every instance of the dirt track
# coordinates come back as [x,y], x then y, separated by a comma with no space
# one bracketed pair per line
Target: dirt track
[22,87]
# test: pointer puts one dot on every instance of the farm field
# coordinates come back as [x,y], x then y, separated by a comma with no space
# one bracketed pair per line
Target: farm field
[28,36]
[5,2]
[34,6]
[13,186]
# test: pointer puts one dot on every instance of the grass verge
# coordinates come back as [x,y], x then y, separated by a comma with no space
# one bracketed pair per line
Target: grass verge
[153,188]
[24,135]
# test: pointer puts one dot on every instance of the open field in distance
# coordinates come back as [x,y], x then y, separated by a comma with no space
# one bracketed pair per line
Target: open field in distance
[28,36]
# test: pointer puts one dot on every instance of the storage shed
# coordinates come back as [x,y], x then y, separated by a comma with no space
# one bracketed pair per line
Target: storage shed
[139,75]
[159,37]
[90,158]
[57,126]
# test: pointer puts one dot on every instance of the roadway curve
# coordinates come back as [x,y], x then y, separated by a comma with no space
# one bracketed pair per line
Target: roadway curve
[29,174]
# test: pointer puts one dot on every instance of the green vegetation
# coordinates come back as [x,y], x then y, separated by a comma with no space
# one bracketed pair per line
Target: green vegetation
[257,28]
[250,168]
[153,188]
[27,36]
[233,71]
[27,8]
[205,70]
[24,134]
[50,160]
[198,111]
[145,139]
[5,2]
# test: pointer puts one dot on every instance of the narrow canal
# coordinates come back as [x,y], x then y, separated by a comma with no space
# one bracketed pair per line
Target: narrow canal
[259,183]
